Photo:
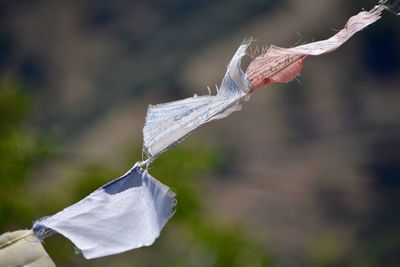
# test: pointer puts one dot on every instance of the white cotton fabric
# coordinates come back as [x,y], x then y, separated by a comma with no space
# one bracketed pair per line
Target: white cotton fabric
[168,124]
[22,248]
[127,213]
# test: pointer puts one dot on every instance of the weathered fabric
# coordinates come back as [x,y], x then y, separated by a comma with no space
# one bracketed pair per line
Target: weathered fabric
[168,124]
[126,213]
[22,248]
[279,64]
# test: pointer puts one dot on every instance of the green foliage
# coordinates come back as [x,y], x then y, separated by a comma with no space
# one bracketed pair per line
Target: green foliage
[20,149]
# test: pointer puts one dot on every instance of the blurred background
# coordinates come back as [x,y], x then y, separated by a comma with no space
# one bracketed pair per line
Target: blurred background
[307,174]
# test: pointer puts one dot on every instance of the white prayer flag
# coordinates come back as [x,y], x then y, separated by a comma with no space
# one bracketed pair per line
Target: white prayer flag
[168,124]
[127,213]
[22,248]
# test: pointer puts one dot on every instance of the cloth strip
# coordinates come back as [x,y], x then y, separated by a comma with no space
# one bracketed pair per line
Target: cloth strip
[168,124]
[279,64]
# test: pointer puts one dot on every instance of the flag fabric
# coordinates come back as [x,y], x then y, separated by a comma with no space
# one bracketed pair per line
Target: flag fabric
[127,213]
[279,64]
[22,248]
[168,124]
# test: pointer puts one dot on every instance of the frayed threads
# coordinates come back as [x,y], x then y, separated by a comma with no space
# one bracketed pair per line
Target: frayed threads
[40,231]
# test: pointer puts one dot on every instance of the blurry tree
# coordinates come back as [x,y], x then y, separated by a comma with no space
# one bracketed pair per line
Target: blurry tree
[20,149]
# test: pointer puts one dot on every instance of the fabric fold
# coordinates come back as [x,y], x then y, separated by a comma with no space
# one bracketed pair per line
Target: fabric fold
[168,124]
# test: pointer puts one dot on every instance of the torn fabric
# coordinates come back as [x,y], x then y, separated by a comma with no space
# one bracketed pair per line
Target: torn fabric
[279,64]
[168,124]
[22,248]
[127,213]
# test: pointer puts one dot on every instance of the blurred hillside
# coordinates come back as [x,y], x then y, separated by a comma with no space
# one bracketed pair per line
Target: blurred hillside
[311,168]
